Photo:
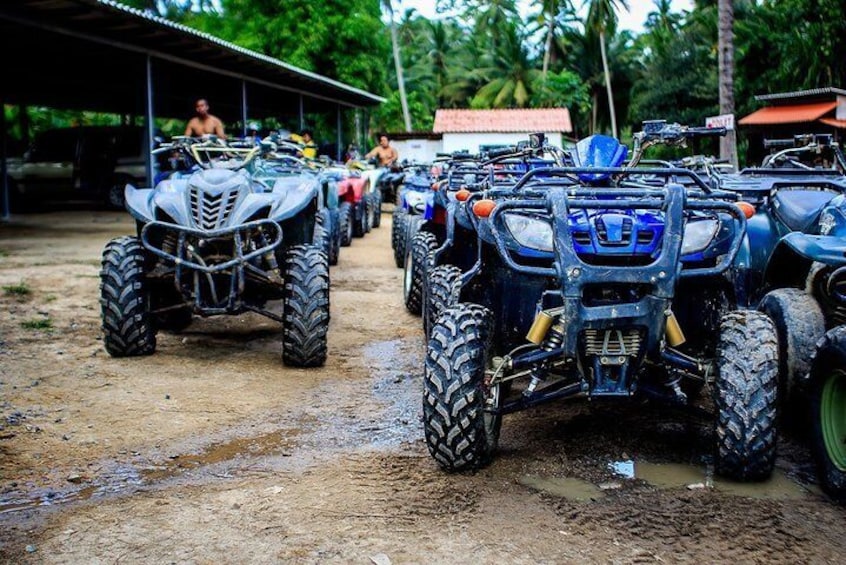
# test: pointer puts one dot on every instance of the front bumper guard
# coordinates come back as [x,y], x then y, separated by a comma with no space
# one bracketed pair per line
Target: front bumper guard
[184,249]
[188,263]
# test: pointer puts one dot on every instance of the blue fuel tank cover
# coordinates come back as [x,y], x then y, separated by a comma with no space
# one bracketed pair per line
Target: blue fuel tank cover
[598,151]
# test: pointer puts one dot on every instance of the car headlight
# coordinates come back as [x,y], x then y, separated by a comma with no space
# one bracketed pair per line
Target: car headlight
[529,232]
[698,234]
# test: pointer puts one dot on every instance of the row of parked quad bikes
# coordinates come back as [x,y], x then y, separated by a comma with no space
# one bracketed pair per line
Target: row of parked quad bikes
[540,274]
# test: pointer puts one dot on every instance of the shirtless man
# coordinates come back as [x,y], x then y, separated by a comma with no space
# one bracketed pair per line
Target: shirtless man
[384,152]
[204,123]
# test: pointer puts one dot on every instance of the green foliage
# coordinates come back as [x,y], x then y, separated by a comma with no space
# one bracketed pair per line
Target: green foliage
[20,290]
[509,74]
[342,39]
[602,14]
[785,45]
[388,117]
[677,78]
[38,324]
[562,89]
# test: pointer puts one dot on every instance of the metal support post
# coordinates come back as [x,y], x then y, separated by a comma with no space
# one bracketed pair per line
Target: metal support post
[149,122]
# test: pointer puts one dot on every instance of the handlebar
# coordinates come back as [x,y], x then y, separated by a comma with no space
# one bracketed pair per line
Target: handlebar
[504,152]
[706,132]
[658,132]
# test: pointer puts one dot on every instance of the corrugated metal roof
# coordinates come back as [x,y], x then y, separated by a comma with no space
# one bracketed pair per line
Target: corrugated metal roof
[801,94]
[503,121]
[238,49]
[793,114]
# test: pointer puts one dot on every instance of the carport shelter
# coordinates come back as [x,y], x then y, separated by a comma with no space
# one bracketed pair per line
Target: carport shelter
[100,55]
[820,110]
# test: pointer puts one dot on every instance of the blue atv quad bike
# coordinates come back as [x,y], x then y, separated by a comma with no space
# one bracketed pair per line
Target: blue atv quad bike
[797,252]
[414,206]
[219,242]
[444,220]
[441,260]
[588,282]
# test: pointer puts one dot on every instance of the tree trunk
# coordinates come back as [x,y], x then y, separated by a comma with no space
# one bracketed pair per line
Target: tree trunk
[611,110]
[593,111]
[550,31]
[398,64]
[725,46]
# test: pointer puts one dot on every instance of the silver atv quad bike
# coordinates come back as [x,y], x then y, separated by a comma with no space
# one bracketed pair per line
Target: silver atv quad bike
[216,240]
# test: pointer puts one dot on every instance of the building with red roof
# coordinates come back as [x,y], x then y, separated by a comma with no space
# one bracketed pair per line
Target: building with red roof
[820,110]
[476,130]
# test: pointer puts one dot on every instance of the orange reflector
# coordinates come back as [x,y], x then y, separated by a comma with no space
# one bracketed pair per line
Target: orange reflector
[483,208]
[462,195]
[747,209]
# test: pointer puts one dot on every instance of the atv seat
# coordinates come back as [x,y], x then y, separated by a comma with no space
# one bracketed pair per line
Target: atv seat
[800,209]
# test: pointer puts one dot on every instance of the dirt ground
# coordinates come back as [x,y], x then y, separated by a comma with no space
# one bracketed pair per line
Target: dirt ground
[211,451]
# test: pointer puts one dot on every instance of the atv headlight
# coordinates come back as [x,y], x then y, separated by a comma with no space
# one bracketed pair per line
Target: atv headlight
[698,234]
[416,201]
[529,232]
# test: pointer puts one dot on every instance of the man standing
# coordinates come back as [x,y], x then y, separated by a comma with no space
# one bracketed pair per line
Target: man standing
[204,123]
[386,154]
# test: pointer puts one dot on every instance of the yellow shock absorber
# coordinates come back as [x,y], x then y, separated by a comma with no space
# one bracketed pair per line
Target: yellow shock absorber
[675,335]
[540,327]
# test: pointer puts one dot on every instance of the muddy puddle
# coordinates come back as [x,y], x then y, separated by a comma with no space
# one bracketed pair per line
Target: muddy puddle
[219,460]
[323,431]
[569,488]
[665,476]
[675,475]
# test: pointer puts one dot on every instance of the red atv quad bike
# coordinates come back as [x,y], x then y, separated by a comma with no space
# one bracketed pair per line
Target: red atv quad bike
[354,216]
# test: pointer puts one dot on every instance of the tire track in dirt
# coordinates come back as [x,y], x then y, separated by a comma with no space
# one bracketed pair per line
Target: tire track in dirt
[250,462]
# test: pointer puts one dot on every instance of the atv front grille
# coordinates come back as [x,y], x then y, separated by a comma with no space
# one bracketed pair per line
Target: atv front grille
[623,238]
[613,343]
[210,211]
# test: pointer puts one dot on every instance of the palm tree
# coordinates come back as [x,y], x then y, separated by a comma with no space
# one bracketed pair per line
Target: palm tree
[662,25]
[464,76]
[602,18]
[438,56]
[406,116]
[725,46]
[493,18]
[550,13]
[509,75]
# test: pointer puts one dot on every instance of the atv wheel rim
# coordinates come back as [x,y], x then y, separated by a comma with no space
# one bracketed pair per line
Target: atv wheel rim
[833,418]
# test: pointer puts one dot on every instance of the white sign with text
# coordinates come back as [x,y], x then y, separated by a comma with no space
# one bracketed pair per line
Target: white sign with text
[724,121]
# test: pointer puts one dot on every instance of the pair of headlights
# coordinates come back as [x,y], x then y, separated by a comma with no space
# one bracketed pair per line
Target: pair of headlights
[535,233]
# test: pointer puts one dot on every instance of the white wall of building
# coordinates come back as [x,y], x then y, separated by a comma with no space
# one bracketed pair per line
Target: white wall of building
[472,141]
[418,150]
